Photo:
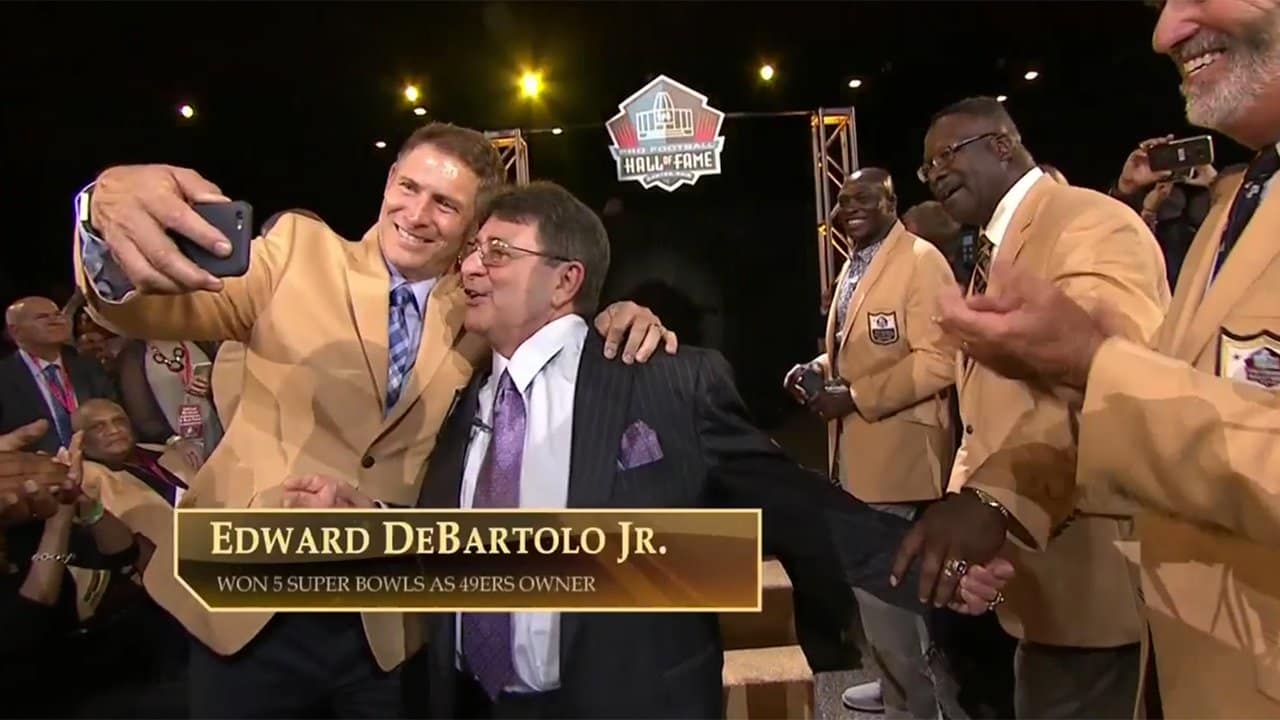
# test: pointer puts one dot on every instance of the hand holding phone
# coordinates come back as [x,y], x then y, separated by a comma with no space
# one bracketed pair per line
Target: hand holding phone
[200,373]
[132,208]
[235,221]
[801,384]
[811,383]
[1180,156]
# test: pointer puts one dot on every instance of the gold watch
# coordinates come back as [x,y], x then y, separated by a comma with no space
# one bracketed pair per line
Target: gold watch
[985,498]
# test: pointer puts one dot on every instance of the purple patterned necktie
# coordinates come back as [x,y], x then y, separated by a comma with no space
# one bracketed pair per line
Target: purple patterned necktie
[486,637]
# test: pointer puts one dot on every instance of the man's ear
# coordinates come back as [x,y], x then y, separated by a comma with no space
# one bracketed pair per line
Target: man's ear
[569,283]
[1004,147]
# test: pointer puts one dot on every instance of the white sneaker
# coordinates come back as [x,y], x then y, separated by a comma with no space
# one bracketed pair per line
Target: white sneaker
[864,698]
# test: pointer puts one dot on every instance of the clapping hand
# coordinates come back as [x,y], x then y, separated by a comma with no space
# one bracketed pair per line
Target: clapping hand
[33,486]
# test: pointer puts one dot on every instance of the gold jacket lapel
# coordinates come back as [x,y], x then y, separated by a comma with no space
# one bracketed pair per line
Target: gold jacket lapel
[1251,256]
[369,301]
[1193,279]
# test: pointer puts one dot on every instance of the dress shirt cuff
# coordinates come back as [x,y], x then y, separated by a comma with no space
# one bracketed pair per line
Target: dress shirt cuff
[110,282]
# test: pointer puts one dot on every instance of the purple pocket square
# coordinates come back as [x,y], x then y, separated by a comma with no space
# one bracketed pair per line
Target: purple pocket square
[640,446]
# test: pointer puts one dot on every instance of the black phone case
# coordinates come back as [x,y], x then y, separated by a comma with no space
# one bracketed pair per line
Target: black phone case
[811,382]
[233,219]
[1181,154]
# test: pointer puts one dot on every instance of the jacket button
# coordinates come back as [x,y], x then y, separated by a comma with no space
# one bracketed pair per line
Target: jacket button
[366,462]
[968,429]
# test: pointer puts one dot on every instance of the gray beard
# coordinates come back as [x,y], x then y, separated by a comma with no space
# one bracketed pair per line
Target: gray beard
[1252,70]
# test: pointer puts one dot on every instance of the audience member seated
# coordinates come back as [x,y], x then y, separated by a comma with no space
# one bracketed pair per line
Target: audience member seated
[110,445]
[45,378]
[141,487]
[54,664]
[158,378]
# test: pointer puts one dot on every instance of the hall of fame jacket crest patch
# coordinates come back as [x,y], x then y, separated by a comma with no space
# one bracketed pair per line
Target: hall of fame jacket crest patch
[1250,358]
[883,327]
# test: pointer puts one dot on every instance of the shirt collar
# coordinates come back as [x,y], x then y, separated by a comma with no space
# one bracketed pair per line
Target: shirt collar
[999,224]
[37,364]
[868,252]
[421,288]
[535,353]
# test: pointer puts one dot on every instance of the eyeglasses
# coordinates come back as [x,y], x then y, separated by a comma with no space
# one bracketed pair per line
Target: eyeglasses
[496,253]
[947,154]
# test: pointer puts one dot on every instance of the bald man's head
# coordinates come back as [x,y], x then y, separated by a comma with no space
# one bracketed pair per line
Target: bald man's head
[930,221]
[38,326]
[867,206]
[108,434]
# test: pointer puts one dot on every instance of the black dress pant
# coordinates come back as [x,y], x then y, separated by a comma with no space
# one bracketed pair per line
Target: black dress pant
[312,665]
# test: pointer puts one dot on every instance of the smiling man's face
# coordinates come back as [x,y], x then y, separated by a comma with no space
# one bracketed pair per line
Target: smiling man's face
[427,209]
[1228,55]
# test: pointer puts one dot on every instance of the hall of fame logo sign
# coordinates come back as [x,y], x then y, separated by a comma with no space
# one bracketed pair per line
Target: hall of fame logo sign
[666,136]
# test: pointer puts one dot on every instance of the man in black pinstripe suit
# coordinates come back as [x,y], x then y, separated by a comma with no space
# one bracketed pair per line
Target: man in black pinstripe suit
[553,424]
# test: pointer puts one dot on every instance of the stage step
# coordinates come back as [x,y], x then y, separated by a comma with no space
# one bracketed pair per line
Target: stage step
[774,625]
[768,683]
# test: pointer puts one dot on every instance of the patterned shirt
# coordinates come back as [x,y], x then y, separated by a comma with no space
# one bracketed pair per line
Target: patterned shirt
[856,265]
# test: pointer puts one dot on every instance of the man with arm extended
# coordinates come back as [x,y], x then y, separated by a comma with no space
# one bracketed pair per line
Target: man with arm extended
[1078,654]
[354,353]
[552,425]
[1190,429]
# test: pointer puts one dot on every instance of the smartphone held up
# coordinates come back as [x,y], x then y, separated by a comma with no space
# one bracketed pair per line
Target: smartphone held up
[1181,157]
[235,221]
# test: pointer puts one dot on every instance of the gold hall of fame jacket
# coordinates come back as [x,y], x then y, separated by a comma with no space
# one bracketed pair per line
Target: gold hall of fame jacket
[312,312]
[140,508]
[898,445]
[1191,431]
[1019,442]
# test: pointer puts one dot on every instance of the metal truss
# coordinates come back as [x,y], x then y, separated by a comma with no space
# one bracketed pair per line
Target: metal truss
[835,158]
[514,151]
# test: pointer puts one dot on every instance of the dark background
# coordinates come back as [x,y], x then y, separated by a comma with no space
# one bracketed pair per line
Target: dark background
[290,98]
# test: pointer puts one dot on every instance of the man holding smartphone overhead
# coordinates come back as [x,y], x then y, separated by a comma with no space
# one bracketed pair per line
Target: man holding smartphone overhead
[354,353]
[1172,197]
[884,386]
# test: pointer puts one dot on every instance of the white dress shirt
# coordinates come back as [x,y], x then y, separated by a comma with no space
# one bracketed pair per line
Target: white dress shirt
[545,372]
[36,366]
[998,225]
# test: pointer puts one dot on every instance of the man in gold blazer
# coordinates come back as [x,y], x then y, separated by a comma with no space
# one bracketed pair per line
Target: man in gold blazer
[887,381]
[1074,606]
[1189,428]
[354,353]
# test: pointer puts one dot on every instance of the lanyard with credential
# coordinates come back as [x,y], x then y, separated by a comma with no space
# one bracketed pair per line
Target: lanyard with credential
[61,390]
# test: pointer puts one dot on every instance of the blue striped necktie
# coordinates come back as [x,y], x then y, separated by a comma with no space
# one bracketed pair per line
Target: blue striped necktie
[402,354]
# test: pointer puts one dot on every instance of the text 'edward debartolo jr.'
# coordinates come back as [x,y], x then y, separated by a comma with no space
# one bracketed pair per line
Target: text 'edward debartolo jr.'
[444,537]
